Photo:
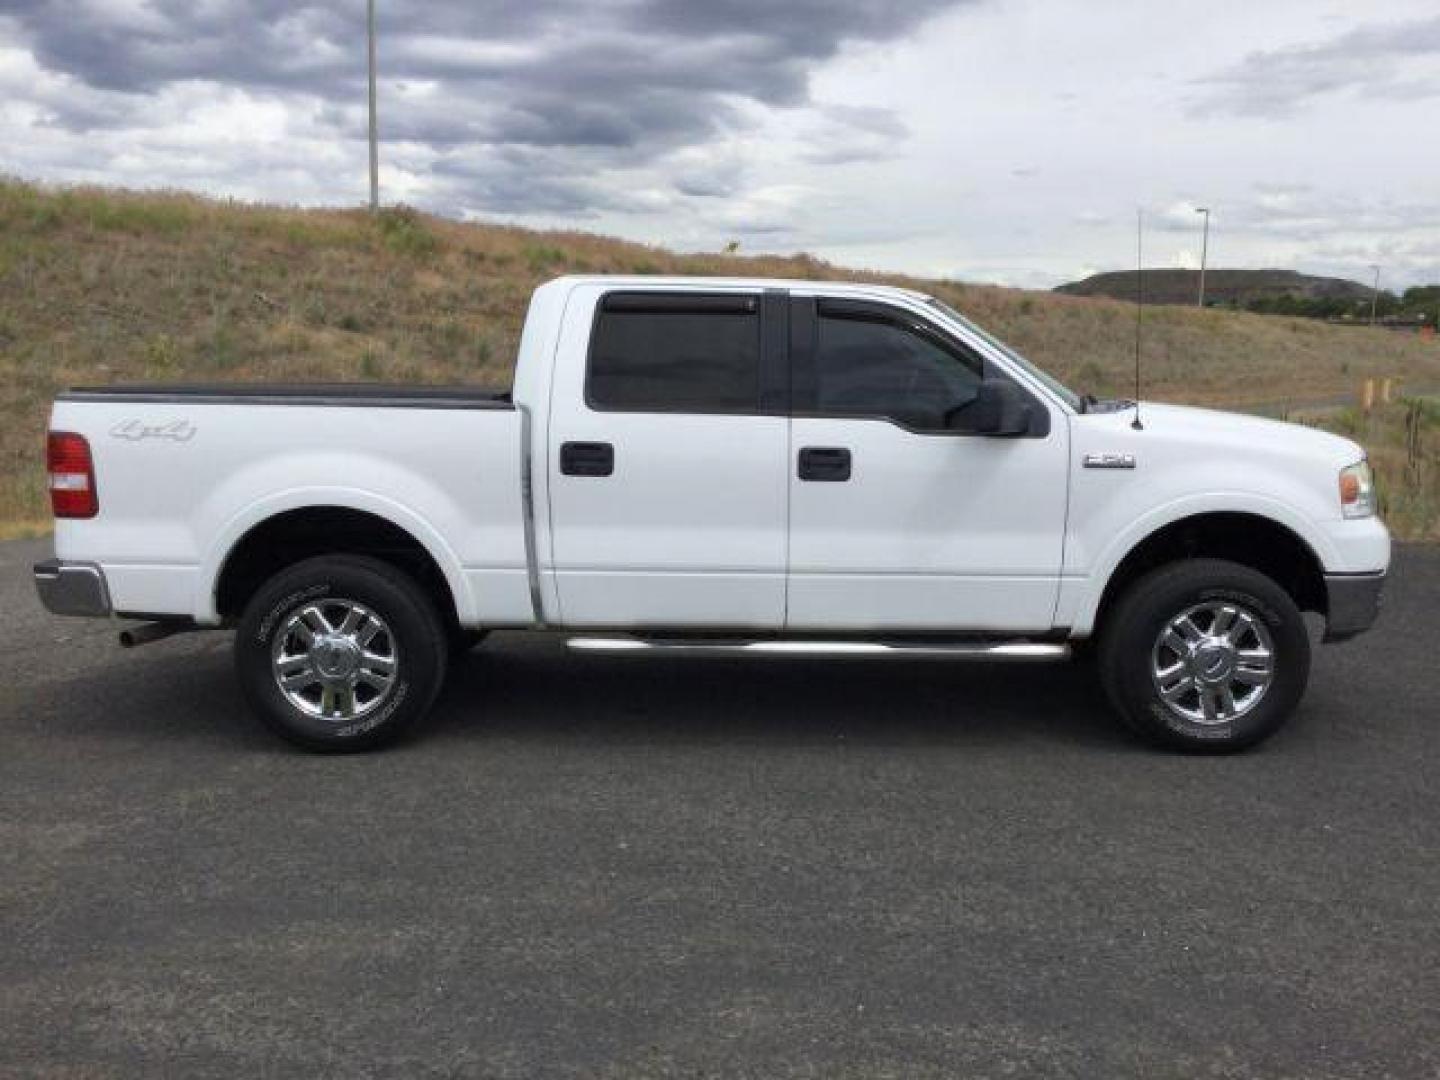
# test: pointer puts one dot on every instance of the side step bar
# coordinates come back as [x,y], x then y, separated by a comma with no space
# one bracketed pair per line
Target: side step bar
[1032,651]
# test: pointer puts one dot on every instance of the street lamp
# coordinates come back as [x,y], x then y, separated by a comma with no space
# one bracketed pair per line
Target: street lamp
[1374,294]
[1204,251]
[374,147]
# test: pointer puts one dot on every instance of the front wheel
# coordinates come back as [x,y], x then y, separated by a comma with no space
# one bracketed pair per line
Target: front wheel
[341,652]
[1205,655]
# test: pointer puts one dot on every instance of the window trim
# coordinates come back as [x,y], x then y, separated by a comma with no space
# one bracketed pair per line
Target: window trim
[805,315]
[772,375]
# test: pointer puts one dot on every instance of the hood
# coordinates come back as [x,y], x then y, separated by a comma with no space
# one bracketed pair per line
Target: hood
[1255,434]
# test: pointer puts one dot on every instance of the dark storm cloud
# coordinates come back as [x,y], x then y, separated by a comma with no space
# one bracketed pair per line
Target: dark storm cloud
[629,79]
[543,181]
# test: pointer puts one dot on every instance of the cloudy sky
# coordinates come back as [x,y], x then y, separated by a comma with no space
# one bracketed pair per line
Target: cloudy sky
[989,140]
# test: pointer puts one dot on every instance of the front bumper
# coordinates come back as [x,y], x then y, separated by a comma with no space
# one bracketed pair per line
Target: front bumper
[1353,602]
[72,588]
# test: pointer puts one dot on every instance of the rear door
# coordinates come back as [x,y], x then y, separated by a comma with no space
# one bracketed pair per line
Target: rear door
[901,518]
[667,458]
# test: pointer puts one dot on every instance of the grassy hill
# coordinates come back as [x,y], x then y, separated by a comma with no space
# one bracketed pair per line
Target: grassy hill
[103,285]
[1238,288]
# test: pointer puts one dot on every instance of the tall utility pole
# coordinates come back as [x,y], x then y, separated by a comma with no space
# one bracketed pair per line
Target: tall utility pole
[1374,294]
[374,143]
[1204,251]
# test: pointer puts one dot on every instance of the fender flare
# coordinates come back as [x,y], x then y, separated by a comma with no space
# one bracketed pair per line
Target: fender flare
[237,527]
[1086,605]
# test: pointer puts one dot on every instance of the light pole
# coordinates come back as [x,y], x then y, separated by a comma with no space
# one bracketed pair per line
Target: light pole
[374,145]
[1204,251]
[1374,294]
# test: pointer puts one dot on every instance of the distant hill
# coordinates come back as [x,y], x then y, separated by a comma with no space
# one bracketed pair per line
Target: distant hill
[1226,288]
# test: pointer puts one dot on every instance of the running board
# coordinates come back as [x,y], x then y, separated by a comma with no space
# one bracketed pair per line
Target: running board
[973,650]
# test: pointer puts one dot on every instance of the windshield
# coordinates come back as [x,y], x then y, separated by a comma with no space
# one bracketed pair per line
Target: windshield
[1065,393]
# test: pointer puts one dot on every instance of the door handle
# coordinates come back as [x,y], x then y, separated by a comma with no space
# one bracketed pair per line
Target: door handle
[587,458]
[824,463]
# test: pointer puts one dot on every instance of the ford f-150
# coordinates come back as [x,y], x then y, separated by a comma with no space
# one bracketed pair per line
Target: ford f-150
[727,466]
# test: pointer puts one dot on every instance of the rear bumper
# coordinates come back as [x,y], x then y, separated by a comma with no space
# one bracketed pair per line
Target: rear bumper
[72,588]
[1353,603]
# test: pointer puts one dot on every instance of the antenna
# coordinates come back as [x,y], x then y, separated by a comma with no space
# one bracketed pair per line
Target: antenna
[1139,305]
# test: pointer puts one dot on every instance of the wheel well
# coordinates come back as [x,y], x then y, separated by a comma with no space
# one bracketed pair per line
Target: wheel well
[296,535]
[1248,539]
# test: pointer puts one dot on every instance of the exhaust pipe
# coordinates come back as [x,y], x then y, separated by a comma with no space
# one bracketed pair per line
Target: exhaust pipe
[151,631]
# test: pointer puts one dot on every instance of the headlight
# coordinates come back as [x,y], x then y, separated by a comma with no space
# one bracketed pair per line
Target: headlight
[1357,491]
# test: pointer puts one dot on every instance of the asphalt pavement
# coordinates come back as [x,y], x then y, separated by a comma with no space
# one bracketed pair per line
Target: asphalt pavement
[621,867]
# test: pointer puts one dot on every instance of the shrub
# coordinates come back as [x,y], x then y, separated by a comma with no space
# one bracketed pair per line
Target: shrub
[162,356]
[223,352]
[541,257]
[403,231]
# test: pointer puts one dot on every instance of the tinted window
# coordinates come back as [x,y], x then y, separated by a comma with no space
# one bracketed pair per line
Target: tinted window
[873,366]
[676,354]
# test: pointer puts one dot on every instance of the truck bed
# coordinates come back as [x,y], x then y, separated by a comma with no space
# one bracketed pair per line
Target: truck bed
[184,471]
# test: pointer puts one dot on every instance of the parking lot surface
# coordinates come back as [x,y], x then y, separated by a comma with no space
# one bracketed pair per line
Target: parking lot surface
[623,867]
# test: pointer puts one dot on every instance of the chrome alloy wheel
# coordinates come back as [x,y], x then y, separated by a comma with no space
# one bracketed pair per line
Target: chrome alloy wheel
[335,659]
[1213,662]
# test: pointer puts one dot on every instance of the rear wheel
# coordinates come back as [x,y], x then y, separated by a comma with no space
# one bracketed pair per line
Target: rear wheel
[341,653]
[1205,655]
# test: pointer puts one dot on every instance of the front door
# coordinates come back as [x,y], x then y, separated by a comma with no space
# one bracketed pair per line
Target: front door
[667,473]
[899,518]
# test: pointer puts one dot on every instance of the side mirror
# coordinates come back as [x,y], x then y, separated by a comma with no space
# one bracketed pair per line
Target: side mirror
[1001,408]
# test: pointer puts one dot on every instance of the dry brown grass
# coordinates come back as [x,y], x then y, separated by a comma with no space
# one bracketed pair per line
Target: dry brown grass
[98,285]
[1403,441]
[25,530]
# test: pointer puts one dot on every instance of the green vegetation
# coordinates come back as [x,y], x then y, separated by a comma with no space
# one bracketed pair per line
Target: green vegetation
[404,232]
[102,285]
[1420,305]
[1423,301]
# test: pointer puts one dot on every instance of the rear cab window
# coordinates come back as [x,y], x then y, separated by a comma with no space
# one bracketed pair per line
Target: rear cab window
[675,352]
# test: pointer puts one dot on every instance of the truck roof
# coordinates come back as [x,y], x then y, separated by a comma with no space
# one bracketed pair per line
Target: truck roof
[663,281]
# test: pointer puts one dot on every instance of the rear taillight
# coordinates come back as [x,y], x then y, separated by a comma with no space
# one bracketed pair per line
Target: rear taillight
[72,476]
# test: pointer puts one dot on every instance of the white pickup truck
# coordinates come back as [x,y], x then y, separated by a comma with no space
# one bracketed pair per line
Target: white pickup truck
[729,466]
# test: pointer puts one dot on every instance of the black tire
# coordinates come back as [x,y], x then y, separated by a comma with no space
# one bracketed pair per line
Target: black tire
[1128,650]
[413,635]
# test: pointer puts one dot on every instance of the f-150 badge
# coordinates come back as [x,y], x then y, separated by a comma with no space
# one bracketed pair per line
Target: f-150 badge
[1109,461]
